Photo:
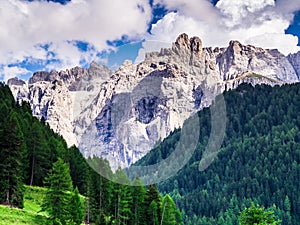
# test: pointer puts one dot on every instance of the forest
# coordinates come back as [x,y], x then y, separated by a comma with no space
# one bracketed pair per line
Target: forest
[31,154]
[258,162]
[256,173]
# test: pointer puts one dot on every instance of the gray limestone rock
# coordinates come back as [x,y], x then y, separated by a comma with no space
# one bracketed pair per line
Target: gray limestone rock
[120,115]
[294,59]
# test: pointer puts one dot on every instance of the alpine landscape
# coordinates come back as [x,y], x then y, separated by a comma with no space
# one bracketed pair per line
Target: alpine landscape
[137,120]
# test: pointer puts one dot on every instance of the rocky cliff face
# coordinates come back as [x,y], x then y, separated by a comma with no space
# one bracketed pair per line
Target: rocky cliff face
[121,115]
[294,59]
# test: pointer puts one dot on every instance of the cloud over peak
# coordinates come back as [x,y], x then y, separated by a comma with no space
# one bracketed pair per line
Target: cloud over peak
[47,34]
[26,26]
[256,22]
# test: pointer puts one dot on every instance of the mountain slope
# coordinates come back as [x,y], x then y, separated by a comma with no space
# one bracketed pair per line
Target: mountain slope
[122,114]
[30,214]
[259,159]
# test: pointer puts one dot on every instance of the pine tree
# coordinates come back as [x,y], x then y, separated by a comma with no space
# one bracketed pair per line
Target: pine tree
[152,206]
[100,192]
[37,152]
[57,200]
[138,197]
[169,212]
[256,215]
[77,209]
[125,205]
[287,208]
[78,170]
[153,214]
[123,198]
[11,157]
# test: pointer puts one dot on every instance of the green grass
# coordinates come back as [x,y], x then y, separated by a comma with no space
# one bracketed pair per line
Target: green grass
[254,75]
[30,214]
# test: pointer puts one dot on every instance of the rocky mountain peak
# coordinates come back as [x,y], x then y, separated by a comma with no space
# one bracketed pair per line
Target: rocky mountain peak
[183,41]
[97,70]
[16,82]
[122,114]
[43,76]
[193,44]
[196,45]
[235,47]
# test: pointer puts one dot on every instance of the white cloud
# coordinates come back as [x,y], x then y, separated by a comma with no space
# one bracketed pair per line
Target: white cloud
[287,6]
[26,25]
[197,9]
[166,30]
[284,42]
[236,12]
[11,72]
[257,22]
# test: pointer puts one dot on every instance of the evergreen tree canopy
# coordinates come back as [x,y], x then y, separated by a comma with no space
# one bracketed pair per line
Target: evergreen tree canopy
[259,159]
[76,208]
[11,160]
[169,212]
[256,215]
[57,200]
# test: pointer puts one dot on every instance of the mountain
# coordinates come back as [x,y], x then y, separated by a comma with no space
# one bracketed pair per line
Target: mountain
[259,160]
[37,168]
[294,59]
[121,115]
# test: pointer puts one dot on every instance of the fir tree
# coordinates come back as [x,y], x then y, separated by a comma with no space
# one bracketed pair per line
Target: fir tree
[37,152]
[170,215]
[152,205]
[11,158]
[100,192]
[77,209]
[57,200]
[138,198]
[122,198]
[152,213]
[256,215]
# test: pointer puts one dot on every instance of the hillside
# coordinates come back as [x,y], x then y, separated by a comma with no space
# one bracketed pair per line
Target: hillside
[259,159]
[30,214]
[32,154]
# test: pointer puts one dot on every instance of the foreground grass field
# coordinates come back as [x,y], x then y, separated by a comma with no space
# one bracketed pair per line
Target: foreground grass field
[30,214]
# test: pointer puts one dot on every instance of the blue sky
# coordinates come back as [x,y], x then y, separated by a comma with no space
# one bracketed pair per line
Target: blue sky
[60,34]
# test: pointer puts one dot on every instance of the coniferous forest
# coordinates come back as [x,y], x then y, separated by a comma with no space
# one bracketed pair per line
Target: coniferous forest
[31,154]
[258,163]
[255,178]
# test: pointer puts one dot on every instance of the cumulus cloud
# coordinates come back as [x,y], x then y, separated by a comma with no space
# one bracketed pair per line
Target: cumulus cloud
[197,9]
[47,32]
[12,71]
[257,22]
[26,26]
[287,6]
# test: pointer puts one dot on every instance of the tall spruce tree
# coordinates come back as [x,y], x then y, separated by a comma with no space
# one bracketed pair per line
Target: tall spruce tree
[122,198]
[11,158]
[170,215]
[256,215]
[152,206]
[100,192]
[37,152]
[57,200]
[138,197]
[77,208]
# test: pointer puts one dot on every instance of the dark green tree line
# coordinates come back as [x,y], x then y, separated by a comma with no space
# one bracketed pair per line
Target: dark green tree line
[31,153]
[259,159]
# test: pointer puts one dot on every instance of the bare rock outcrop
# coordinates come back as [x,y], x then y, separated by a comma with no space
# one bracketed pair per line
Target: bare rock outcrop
[122,114]
[294,59]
